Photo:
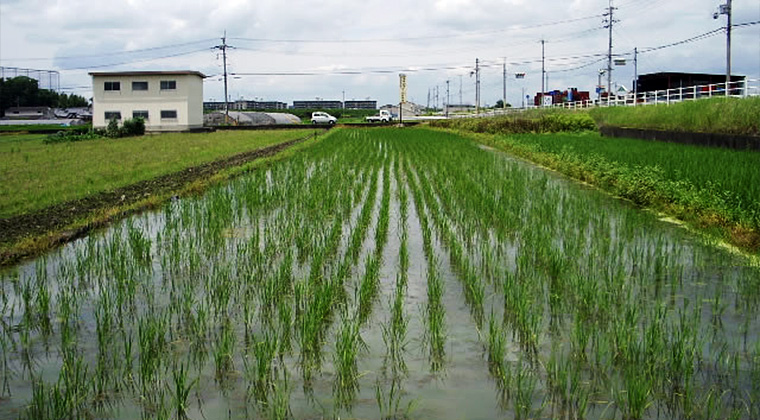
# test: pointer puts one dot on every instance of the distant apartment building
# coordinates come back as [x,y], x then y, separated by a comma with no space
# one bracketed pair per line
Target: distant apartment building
[361,104]
[167,100]
[244,105]
[317,105]
[217,106]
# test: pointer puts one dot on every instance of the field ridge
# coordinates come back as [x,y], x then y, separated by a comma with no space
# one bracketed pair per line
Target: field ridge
[56,220]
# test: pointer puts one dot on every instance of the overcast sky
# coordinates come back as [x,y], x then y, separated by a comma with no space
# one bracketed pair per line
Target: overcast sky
[307,49]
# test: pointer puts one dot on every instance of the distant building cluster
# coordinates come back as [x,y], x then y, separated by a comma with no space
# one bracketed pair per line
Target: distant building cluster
[41,115]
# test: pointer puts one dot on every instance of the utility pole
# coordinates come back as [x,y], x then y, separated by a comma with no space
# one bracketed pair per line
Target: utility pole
[461,101]
[543,72]
[635,76]
[223,47]
[725,9]
[436,97]
[428,101]
[610,21]
[477,86]
[504,101]
[447,99]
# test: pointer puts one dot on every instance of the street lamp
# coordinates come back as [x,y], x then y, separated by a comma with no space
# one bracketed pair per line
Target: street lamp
[725,9]
[599,85]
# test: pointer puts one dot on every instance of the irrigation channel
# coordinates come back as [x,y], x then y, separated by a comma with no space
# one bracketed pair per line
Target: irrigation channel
[385,273]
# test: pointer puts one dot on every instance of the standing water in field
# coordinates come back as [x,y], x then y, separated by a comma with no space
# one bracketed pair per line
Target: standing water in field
[384,274]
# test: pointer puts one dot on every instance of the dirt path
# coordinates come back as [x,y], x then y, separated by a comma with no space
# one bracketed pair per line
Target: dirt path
[56,218]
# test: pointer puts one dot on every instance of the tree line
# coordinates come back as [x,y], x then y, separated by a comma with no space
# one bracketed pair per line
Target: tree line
[25,91]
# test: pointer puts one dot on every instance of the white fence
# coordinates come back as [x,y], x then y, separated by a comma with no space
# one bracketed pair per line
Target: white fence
[739,89]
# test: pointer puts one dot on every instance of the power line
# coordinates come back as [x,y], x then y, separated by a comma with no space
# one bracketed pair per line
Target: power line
[135,61]
[415,38]
[110,54]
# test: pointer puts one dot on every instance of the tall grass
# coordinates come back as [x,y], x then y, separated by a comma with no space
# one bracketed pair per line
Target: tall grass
[717,115]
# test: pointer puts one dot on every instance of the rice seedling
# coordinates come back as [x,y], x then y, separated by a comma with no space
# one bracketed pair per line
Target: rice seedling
[224,350]
[348,345]
[180,390]
[610,312]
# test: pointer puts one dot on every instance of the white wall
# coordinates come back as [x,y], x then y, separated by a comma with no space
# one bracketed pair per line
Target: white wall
[186,100]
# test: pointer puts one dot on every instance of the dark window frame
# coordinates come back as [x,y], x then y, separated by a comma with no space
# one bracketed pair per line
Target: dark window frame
[112,114]
[112,86]
[168,114]
[140,86]
[168,85]
[141,114]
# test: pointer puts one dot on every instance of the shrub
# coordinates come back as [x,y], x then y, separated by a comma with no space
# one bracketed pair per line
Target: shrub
[112,130]
[71,136]
[133,127]
[547,122]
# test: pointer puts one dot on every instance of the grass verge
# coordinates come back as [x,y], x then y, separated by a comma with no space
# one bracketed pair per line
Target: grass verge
[738,116]
[76,224]
[36,175]
[713,190]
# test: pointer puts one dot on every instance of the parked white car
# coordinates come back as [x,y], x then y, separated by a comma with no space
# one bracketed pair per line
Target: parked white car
[320,117]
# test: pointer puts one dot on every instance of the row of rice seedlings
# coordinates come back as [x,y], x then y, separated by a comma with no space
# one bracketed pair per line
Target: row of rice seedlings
[435,313]
[348,345]
[370,282]
[474,294]
[474,290]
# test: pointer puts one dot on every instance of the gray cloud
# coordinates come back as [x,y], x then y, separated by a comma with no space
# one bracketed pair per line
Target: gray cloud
[446,35]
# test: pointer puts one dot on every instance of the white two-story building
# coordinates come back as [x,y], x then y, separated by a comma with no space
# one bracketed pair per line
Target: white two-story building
[167,100]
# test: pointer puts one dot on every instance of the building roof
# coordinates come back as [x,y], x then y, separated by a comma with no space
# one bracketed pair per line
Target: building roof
[148,73]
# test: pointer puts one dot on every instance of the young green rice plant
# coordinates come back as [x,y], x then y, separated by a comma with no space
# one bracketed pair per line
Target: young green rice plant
[498,365]
[152,342]
[224,351]
[369,287]
[348,345]
[389,402]
[435,317]
[180,390]
[525,383]
[260,364]
[277,406]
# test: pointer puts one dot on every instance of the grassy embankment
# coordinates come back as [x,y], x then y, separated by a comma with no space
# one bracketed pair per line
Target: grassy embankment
[715,190]
[37,176]
[717,115]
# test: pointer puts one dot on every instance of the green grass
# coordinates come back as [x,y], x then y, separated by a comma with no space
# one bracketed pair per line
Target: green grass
[36,175]
[709,186]
[717,115]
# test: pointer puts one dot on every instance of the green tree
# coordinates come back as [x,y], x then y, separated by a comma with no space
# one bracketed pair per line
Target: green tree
[25,91]
[500,104]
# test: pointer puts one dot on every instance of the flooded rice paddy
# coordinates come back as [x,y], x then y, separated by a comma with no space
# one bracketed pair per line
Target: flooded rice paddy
[385,274]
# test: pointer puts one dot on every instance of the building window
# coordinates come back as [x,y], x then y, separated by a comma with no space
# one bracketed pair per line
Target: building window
[168,85]
[112,86]
[139,85]
[168,115]
[140,114]
[113,115]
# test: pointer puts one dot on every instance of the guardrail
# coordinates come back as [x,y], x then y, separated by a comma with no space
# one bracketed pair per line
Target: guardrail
[740,89]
